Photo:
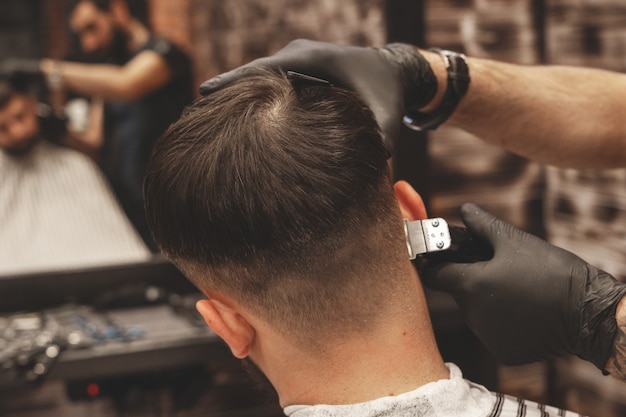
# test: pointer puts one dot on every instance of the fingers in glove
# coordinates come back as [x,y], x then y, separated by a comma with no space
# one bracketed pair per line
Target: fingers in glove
[450,277]
[481,224]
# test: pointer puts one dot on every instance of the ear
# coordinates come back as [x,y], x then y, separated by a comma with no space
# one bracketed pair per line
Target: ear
[410,202]
[228,324]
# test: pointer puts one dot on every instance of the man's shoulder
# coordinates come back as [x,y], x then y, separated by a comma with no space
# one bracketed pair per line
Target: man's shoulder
[176,58]
[163,47]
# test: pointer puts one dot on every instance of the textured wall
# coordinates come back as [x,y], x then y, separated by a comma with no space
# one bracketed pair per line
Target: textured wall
[227,34]
[463,168]
[586,210]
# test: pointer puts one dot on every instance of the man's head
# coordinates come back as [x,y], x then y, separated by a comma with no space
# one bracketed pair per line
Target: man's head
[279,198]
[101,25]
[19,125]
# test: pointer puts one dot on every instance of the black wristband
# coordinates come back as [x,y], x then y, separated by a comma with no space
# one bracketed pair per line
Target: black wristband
[458,84]
[598,325]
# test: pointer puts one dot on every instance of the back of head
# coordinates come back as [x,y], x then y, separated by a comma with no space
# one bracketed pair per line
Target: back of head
[11,86]
[6,92]
[19,121]
[280,197]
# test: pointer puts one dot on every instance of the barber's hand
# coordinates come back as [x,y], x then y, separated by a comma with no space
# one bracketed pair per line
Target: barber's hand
[532,301]
[386,78]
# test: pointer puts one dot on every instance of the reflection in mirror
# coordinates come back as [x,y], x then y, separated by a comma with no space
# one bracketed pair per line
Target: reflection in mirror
[58,211]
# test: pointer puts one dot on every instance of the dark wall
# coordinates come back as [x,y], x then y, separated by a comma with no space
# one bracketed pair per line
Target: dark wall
[20,28]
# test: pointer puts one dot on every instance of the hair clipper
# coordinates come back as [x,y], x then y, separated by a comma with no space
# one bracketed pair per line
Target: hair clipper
[434,241]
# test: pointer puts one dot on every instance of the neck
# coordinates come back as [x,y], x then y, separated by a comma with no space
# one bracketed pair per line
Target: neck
[398,356]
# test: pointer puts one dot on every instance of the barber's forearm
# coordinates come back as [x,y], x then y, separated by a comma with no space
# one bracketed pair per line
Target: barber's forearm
[89,79]
[617,362]
[563,116]
[142,75]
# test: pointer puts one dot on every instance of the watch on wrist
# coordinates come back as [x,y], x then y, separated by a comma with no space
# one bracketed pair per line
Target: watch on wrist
[55,76]
[457,85]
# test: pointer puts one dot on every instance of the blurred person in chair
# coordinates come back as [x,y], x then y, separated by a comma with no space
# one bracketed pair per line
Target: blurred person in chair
[57,208]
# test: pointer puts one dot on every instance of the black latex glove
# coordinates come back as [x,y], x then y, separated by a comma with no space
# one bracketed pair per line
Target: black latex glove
[532,301]
[21,72]
[387,78]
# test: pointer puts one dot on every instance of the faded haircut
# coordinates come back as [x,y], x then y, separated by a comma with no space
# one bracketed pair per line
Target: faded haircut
[280,197]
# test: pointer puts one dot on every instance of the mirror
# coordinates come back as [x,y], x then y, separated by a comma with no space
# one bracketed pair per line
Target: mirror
[58,211]
[221,36]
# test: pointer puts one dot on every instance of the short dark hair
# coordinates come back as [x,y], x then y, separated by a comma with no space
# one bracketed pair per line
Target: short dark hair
[6,92]
[281,198]
[8,88]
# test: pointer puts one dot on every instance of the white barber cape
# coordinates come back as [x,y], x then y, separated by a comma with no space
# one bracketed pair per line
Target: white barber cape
[454,397]
[57,212]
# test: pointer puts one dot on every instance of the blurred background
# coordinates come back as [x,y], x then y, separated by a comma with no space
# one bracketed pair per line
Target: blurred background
[171,365]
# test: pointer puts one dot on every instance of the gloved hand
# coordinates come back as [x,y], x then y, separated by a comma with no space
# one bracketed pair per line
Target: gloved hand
[388,78]
[532,301]
[21,71]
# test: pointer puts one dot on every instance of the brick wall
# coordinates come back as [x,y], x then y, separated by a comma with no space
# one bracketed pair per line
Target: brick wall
[228,34]
[172,20]
[586,209]
[463,167]
[55,44]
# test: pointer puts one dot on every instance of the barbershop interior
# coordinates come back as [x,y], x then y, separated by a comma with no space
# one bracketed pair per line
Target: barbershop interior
[95,321]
